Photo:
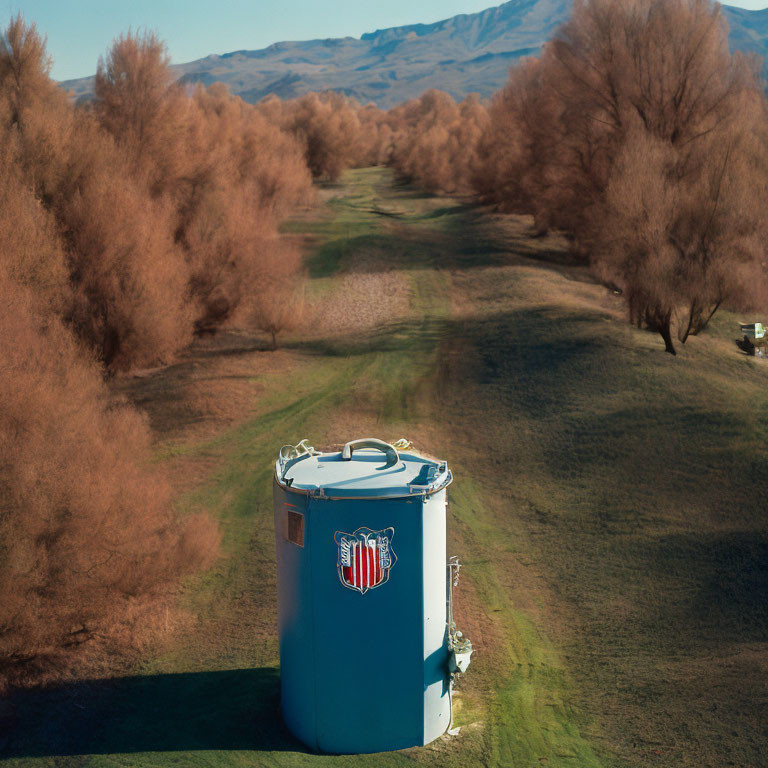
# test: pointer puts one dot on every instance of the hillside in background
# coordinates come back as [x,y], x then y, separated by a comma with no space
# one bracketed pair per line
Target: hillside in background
[470,53]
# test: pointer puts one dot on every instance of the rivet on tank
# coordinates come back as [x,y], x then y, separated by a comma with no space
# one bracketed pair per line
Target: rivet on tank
[369,650]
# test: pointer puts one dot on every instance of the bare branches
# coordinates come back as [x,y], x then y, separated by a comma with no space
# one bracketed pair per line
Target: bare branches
[638,133]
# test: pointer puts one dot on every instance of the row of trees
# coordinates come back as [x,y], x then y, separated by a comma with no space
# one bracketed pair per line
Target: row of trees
[125,226]
[90,550]
[639,134]
[90,280]
[636,132]
[158,209]
[334,132]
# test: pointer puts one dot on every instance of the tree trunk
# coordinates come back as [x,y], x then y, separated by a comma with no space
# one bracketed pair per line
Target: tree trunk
[704,323]
[666,334]
[692,314]
[696,320]
[274,340]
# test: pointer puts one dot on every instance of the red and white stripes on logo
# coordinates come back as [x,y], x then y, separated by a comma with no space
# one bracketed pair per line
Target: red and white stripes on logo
[364,566]
[365,557]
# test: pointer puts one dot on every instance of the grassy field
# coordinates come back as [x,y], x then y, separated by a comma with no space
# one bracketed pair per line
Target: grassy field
[609,506]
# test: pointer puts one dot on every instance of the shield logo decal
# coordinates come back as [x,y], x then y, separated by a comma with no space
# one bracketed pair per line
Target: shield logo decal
[365,558]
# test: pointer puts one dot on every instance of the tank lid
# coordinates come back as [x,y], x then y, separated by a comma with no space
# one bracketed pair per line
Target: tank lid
[367,468]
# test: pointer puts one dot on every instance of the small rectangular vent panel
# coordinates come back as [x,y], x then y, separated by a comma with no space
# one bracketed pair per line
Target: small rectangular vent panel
[294,527]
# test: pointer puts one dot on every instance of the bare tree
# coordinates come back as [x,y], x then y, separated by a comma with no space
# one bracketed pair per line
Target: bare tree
[682,234]
[636,133]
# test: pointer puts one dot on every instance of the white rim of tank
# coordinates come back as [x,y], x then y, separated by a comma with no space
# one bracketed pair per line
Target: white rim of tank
[443,480]
[292,454]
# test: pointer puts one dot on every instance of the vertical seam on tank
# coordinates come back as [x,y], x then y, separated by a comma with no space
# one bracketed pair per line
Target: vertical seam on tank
[308,529]
[423,626]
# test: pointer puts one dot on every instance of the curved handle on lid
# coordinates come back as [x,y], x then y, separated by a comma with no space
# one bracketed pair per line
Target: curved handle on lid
[371,442]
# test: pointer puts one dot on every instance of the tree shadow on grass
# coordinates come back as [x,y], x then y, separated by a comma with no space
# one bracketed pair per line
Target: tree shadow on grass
[397,336]
[461,243]
[222,710]
[722,588]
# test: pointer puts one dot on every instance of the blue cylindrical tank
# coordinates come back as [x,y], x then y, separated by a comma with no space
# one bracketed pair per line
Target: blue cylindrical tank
[361,566]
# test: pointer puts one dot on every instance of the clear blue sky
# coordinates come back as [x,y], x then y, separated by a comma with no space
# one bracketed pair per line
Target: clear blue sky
[79,31]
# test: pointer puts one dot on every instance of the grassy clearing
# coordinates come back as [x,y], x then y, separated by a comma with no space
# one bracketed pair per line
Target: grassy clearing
[609,507]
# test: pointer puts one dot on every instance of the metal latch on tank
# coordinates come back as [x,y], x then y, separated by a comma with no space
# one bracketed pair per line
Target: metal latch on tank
[290,452]
[459,647]
[437,477]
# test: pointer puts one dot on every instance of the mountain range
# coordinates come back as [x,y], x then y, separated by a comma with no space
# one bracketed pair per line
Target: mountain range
[469,53]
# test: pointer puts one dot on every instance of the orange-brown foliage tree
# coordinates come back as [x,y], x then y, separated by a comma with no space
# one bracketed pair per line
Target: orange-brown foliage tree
[243,175]
[131,279]
[89,547]
[138,103]
[684,233]
[435,140]
[511,167]
[24,68]
[127,282]
[225,174]
[278,304]
[632,96]
[326,125]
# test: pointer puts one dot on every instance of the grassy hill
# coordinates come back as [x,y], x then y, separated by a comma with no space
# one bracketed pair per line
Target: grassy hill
[609,507]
